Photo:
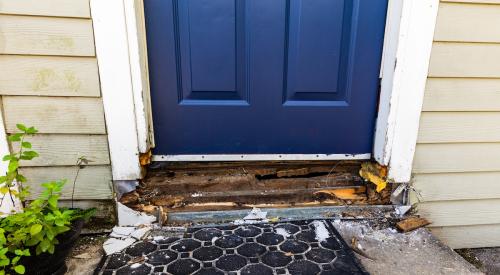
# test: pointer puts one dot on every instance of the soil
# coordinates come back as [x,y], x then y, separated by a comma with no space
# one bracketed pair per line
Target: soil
[86,255]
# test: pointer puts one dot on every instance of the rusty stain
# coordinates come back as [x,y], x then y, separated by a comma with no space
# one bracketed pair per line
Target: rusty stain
[145,158]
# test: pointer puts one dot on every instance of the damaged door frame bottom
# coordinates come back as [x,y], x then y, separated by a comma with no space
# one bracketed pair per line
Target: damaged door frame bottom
[260,157]
[295,213]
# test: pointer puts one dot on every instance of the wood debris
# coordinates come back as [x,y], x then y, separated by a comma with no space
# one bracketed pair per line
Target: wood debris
[411,224]
[374,173]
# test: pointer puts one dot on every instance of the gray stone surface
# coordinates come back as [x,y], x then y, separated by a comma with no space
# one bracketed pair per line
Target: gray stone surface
[391,252]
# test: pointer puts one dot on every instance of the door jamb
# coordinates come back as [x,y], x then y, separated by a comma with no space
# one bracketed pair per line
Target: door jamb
[122,58]
[407,50]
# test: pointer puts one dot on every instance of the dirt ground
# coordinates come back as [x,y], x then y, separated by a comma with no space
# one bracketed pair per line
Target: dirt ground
[485,259]
[86,255]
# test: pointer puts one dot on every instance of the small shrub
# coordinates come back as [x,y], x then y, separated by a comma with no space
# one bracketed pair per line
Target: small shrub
[34,230]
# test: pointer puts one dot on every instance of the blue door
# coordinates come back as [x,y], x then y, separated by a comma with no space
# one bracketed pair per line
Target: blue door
[264,76]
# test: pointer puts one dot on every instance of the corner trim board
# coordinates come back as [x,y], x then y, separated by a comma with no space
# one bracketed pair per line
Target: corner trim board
[404,73]
[115,73]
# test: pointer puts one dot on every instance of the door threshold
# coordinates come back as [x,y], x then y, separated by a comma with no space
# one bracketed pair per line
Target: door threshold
[351,212]
[260,157]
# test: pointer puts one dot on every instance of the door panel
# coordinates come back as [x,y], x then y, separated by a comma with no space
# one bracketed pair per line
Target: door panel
[264,77]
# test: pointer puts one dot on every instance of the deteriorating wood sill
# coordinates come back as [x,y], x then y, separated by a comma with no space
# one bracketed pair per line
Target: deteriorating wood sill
[211,186]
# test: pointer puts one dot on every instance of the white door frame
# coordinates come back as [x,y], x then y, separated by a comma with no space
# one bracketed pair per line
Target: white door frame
[122,58]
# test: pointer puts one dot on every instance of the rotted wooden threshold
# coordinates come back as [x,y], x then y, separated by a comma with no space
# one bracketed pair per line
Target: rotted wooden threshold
[213,186]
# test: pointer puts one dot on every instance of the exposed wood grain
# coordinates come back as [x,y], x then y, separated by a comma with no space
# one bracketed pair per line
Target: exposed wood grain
[463,212]
[61,115]
[462,94]
[468,23]
[443,127]
[455,186]
[46,36]
[67,8]
[93,182]
[456,157]
[487,235]
[49,75]
[64,150]
[450,59]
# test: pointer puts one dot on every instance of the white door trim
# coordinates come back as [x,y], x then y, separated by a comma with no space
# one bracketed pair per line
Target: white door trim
[117,50]
[120,46]
[407,51]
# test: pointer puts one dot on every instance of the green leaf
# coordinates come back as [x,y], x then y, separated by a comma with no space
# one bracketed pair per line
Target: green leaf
[4,190]
[7,157]
[13,165]
[52,201]
[19,269]
[20,178]
[44,245]
[15,137]
[31,130]
[28,155]
[4,262]
[35,229]
[26,144]
[21,127]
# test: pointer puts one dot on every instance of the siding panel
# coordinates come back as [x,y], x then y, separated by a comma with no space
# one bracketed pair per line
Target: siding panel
[469,236]
[46,36]
[462,94]
[451,25]
[464,60]
[64,150]
[458,213]
[456,157]
[455,186]
[49,75]
[67,8]
[93,182]
[49,114]
[448,127]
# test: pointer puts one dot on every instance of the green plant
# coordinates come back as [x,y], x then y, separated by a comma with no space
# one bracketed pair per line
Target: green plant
[34,230]
[8,182]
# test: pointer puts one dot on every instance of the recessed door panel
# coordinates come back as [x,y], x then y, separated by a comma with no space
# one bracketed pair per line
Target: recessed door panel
[318,37]
[211,55]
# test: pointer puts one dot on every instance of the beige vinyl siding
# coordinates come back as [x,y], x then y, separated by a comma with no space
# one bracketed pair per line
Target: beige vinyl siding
[62,8]
[49,75]
[456,169]
[50,80]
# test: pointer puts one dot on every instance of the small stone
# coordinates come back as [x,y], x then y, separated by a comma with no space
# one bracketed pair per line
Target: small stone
[122,232]
[83,256]
[140,233]
[113,245]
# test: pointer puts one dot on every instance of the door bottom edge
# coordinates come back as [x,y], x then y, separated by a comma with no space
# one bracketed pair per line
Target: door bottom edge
[260,157]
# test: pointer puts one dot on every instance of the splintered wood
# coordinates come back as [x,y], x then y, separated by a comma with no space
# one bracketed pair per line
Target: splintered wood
[411,224]
[231,185]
